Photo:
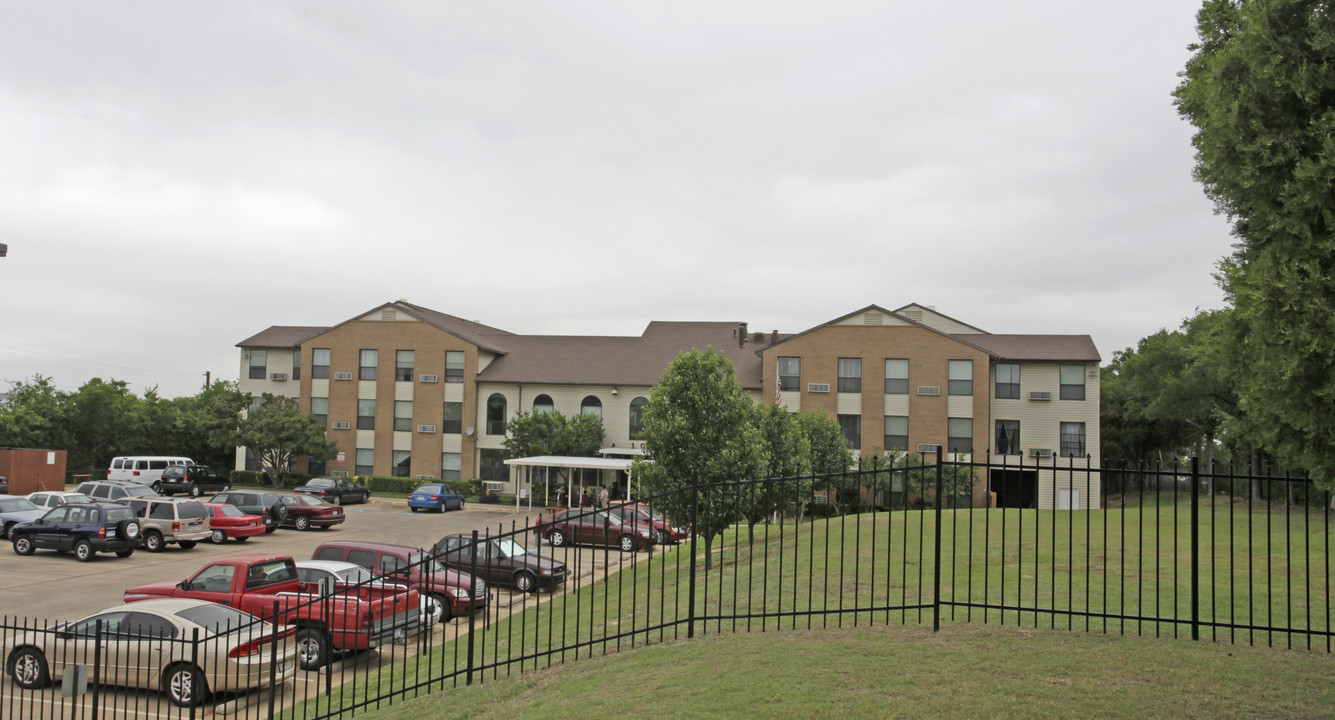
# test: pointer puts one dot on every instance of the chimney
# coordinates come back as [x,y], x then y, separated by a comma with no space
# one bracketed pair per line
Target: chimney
[774,337]
[741,335]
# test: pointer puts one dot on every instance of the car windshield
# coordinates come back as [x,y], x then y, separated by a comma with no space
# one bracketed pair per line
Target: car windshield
[217,619]
[355,575]
[511,548]
[76,498]
[139,491]
[431,565]
[16,505]
[310,500]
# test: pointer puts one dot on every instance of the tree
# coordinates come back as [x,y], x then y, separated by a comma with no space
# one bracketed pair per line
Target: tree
[828,450]
[787,454]
[33,415]
[552,433]
[206,424]
[104,421]
[1260,90]
[278,434]
[697,429]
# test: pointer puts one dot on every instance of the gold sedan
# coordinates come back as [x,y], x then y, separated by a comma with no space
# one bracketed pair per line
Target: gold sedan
[185,648]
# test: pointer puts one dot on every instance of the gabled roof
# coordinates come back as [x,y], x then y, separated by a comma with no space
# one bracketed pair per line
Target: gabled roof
[281,336]
[631,361]
[484,336]
[1073,348]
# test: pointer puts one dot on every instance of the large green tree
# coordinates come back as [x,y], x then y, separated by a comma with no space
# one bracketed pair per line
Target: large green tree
[697,428]
[1260,90]
[787,455]
[553,433]
[278,434]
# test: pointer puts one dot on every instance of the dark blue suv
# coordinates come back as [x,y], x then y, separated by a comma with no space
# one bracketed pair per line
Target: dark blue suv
[87,529]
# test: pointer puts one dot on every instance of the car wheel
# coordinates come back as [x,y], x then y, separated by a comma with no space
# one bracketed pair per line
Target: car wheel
[218,537]
[28,668]
[127,552]
[194,490]
[156,487]
[557,538]
[413,509]
[127,530]
[301,522]
[660,537]
[23,545]
[186,544]
[441,507]
[4,533]
[441,606]
[83,551]
[525,581]
[627,543]
[312,648]
[337,500]
[153,542]
[184,685]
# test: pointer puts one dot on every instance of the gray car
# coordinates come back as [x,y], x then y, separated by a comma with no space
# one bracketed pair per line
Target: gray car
[15,510]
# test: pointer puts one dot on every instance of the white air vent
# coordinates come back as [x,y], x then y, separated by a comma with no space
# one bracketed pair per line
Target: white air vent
[1040,395]
[342,425]
[927,448]
[1040,452]
[493,485]
[343,376]
[426,428]
[428,378]
[339,473]
[818,387]
[277,376]
[929,389]
[426,477]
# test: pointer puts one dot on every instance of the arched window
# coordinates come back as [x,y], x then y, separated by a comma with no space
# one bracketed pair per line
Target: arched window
[637,415]
[591,406]
[496,414]
[543,404]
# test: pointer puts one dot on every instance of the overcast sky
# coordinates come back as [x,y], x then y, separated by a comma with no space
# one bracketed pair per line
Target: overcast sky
[178,176]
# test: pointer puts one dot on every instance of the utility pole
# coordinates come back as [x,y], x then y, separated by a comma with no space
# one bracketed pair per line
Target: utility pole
[206,379]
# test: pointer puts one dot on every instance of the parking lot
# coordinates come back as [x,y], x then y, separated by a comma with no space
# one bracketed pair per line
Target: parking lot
[56,586]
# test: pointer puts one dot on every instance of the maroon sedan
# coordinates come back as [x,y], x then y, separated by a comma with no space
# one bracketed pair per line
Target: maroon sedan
[305,512]
[578,526]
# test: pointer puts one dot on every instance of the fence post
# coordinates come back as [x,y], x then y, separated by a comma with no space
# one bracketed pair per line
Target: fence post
[936,550]
[695,530]
[273,662]
[472,591]
[96,680]
[1195,549]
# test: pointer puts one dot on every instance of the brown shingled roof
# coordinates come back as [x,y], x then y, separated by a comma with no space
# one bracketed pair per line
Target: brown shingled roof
[631,361]
[283,336]
[1075,348]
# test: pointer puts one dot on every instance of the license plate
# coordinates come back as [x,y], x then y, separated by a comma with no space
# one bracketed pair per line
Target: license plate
[400,636]
[285,666]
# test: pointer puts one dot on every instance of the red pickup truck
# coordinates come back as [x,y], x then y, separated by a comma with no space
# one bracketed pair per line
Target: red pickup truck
[326,618]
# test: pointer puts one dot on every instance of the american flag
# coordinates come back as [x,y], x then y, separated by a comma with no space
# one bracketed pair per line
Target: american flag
[778,386]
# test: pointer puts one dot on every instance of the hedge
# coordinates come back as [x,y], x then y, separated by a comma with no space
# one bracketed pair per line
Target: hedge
[376,483]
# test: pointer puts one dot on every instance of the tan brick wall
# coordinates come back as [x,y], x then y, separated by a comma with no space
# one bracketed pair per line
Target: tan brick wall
[928,354]
[429,344]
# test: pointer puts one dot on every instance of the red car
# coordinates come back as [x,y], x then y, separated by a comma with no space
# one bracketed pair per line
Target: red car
[663,531]
[307,511]
[227,521]
[578,526]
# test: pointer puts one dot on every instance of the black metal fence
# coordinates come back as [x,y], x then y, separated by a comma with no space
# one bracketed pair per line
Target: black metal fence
[1222,555]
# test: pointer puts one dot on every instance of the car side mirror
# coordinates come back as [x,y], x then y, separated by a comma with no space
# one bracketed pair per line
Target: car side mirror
[184,585]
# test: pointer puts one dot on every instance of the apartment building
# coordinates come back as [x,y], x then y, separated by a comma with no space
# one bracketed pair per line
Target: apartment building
[413,392]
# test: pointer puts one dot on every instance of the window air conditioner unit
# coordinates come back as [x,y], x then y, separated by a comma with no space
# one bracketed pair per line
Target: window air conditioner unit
[493,485]
[342,376]
[426,477]
[339,473]
[426,428]
[929,389]
[342,425]
[927,448]
[277,376]
[1040,395]
[818,387]
[428,378]
[1040,452]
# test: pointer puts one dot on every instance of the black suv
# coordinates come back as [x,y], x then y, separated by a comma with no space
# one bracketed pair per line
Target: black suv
[191,480]
[85,529]
[256,502]
[114,491]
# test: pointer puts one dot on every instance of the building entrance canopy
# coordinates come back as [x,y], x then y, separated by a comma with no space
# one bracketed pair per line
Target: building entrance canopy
[570,463]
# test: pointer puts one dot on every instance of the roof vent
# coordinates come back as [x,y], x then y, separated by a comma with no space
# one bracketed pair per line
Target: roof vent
[871,317]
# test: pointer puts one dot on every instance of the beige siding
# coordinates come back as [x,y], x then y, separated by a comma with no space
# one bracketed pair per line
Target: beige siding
[960,406]
[320,388]
[454,392]
[897,405]
[366,391]
[365,441]
[403,440]
[849,404]
[872,318]
[403,390]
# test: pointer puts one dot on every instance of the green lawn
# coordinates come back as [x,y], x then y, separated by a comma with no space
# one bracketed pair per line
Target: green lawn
[874,572]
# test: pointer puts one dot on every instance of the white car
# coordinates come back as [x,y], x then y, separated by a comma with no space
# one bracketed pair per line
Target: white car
[339,573]
[55,498]
[149,645]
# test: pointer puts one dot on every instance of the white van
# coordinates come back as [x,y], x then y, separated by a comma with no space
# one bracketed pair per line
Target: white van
[145,470]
